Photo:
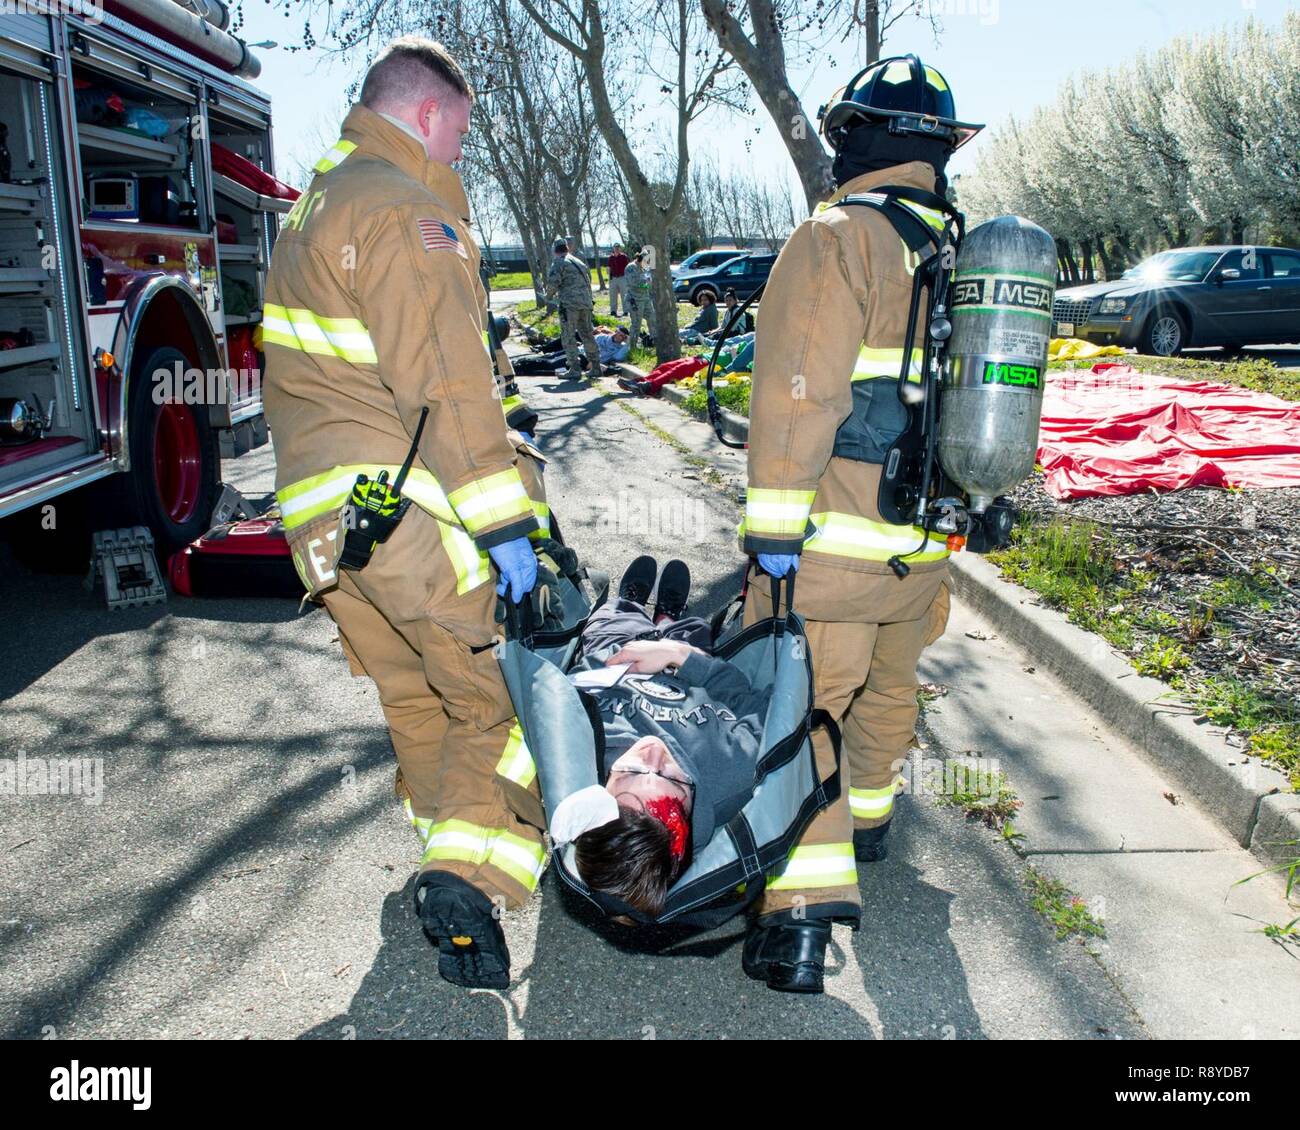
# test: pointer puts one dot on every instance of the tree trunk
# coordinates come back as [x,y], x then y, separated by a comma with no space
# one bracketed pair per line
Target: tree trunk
[1107,263]
[1069,269]
[763,61]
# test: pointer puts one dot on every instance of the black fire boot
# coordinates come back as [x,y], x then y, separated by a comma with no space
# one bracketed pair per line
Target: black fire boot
[869,843]
[639,580]
[462,922]
[789,955]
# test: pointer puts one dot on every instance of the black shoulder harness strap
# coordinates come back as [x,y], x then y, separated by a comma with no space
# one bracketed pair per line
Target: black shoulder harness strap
[912,230]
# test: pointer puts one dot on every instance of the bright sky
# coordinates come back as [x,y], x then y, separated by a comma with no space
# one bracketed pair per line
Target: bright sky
[1001,57]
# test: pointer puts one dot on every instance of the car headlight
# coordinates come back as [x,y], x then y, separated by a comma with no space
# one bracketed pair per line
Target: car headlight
[1113,305]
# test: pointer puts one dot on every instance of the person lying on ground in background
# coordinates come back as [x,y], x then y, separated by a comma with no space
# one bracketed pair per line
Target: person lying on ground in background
[670,372]
[613,346]
[682,738]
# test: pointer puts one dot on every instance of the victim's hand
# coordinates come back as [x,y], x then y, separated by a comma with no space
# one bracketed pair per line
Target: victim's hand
[649,657]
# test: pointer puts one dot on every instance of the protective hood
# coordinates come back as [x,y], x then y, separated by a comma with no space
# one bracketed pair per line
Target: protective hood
[870,147]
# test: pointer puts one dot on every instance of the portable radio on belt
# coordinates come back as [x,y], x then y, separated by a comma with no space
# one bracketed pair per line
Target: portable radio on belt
[375,508]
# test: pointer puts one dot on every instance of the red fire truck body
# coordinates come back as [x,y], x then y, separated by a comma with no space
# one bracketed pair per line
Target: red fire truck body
[138,210]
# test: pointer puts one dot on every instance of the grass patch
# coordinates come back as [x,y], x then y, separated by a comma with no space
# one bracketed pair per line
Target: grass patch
[538,318]
[521,280]
[1279,746]
[1065,911]
[1073,566]
[984,796]
[734,396]
[1257,373]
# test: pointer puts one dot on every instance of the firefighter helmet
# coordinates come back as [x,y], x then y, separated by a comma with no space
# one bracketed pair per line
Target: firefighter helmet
[913,98]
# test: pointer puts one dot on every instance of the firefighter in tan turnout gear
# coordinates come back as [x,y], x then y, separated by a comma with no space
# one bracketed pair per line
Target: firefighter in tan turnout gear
[401,486]
[825,410]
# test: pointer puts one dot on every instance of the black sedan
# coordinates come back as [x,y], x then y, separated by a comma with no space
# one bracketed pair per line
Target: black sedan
[1190,296]
[744,274]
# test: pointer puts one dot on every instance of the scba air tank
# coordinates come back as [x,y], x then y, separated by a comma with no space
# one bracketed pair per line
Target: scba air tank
[992,397]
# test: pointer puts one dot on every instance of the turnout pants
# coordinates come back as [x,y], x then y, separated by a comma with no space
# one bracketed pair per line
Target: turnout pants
[575,330]
[467,782]
[864,677]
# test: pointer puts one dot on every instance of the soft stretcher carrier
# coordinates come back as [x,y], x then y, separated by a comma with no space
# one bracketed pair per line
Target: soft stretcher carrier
[562,731]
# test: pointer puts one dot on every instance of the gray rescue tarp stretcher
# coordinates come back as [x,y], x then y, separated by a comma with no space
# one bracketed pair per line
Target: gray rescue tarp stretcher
[562,730]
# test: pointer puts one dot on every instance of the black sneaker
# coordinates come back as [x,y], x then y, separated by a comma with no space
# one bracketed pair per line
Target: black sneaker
[789,956]
[674,587]
[638,580]
[462,922]
[869,844]
[629,384]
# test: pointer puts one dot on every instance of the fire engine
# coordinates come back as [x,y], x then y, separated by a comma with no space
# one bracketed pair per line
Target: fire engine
[138,210]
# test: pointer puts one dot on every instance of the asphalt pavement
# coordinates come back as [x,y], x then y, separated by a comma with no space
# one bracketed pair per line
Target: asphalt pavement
[247,872]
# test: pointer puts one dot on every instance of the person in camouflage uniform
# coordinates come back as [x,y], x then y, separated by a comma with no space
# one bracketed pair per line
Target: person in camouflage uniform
[568,283]
[639,304]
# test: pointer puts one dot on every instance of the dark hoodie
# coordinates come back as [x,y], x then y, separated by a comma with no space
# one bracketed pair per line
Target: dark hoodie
[711,720]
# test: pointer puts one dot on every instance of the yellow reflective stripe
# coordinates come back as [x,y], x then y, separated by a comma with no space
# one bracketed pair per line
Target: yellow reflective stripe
[543,515]
[421,824]
[873,803]
[817,865]
[309,498]
[334,156]
[472,564]
[847,535]
[873,363]
[297,328]
[516,762]
[523,860]
[936,79]
[490,500]
[778,513]
[930,216]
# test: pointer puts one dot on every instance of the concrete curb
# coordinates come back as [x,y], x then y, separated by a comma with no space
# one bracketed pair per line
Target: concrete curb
[1238,791]
[1243,795]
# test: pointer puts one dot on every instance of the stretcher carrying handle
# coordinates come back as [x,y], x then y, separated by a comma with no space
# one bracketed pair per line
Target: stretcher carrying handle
[519,620]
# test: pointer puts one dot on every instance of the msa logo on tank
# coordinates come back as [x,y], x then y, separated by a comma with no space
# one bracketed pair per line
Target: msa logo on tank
[651,689]
[1003,292]
[1007,373]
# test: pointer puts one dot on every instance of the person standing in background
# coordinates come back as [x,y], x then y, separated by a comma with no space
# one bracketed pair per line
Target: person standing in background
[638,296]
[617,264]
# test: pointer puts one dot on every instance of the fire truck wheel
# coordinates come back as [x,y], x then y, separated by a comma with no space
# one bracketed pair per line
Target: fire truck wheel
[175,464]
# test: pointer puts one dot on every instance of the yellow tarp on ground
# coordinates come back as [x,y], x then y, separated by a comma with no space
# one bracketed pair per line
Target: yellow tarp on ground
[1076,349]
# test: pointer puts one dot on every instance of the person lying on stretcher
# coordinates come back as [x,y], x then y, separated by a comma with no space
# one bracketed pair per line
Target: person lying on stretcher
[682,738]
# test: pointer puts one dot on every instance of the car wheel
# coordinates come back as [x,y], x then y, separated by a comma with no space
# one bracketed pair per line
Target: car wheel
[700,291]
[1165,335]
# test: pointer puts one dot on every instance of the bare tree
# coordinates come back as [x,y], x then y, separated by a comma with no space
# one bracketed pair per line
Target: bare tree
[673,34]
[778,26]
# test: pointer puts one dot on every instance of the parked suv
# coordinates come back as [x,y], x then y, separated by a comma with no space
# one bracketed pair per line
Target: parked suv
[1229,296]
[703,261]
[743,274]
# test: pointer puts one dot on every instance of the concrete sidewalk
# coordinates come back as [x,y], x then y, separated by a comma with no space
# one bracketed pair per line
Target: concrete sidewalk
[1156,865]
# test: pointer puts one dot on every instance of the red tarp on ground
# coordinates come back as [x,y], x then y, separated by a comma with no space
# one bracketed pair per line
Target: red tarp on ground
[1114,430]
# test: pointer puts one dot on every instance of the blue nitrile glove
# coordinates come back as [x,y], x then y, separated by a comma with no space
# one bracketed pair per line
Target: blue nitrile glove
[517,564]
[528,438]
[778,564]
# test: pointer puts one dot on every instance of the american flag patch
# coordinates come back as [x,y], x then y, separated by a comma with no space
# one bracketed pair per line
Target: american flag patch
[437,236]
